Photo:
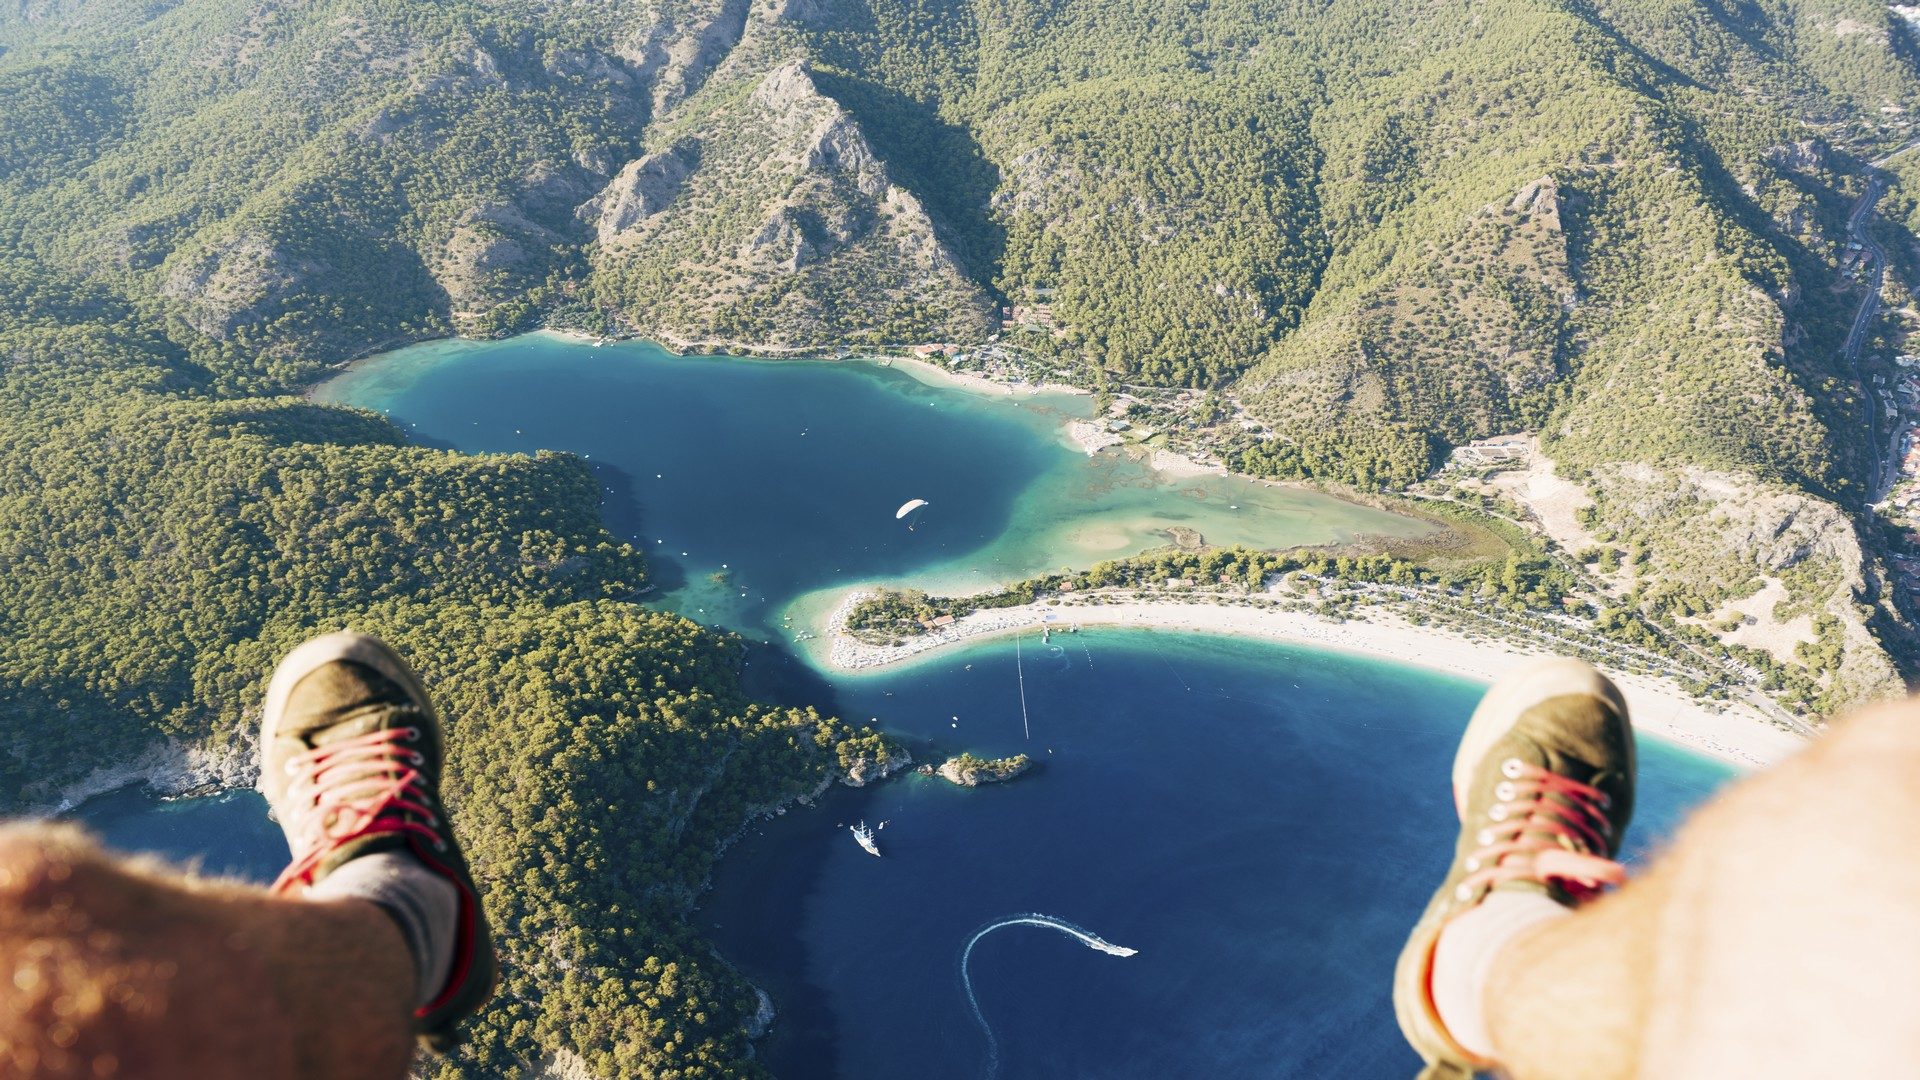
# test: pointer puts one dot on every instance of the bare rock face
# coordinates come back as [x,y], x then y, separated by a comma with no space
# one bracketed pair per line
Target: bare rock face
[641,189]
[678,49]
[1540,200]
[482,257]
[815,134]
[588,65]
[1711,530]
[801,12]
[1805,155]
[761,1021]
[167,767]
[868,770]
[234,282]
[784,221]
[782,242]
[559,1065]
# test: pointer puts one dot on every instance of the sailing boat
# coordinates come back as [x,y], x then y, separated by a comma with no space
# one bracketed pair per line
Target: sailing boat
[864,837]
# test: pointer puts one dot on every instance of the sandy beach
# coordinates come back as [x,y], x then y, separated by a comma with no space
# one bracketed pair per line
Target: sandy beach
[939,374]
[1733,733]
[1174,463]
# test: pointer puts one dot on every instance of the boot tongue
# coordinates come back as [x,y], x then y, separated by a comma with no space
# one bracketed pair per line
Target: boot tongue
[357,722]
[1578,738]
[341,701]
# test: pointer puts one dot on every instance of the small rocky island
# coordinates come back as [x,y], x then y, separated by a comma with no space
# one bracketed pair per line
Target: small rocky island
[967,770]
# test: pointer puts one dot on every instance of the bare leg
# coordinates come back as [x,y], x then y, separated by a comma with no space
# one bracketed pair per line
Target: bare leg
[111,968]
[1779,936]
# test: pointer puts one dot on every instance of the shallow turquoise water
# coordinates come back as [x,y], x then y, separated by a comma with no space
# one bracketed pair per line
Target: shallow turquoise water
[784,476]
[1261,822]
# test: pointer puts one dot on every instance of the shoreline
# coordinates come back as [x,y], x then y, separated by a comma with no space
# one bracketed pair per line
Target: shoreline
[1734,734]
[929,372]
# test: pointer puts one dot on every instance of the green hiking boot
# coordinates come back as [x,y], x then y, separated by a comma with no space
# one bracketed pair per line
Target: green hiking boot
[1543,785]
[350,761]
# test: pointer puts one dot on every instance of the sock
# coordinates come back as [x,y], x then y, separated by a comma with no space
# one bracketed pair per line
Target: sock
[423,904]
[1464,956]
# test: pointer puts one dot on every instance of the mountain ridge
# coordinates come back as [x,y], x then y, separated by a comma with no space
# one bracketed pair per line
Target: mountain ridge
[1328,242]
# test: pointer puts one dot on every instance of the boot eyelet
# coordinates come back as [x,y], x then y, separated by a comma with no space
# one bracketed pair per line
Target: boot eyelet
[1606,801]
[291,767]
[1484,837]
[439,844]
[432,822]
[1473,865]
[1504,791]
[1463,892]
[413,734]
[1498,812]
[419,759]
[1510,768]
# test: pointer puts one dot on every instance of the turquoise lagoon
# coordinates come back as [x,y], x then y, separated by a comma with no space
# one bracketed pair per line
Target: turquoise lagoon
[1261,823]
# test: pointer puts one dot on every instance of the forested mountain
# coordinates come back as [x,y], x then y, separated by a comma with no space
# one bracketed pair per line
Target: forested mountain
[1377,230]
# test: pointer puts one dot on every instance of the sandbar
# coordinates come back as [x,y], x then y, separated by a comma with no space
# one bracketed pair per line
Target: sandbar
[1731,732]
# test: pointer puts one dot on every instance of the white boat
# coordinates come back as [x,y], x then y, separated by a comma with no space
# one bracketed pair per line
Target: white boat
[864,836]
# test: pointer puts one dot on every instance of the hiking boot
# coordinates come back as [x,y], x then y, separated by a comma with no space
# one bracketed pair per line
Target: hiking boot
[1543,785]
[350,761]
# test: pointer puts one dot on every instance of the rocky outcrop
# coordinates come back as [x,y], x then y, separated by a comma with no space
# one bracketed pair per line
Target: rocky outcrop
[559,1065]
[1716,533]
[873,769]
[1804,155]
[487,255]
[814,134]
[678,48]
[761,1021]
[234,282]
[167,767]
[969,771]
[642,188]
[774,211]
[1540,200]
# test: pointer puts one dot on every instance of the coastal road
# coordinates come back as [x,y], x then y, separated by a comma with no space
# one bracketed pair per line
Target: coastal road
[1876,259]
[1736,677]
[1859,222]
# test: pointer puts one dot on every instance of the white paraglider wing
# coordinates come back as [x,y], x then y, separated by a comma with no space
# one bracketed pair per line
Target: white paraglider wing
[908,508]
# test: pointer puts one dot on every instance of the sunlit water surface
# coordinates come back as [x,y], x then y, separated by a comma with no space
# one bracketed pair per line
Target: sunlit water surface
[1261,823]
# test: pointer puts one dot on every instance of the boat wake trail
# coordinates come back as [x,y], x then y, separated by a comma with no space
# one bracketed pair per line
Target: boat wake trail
[1025,724]
[1086,937]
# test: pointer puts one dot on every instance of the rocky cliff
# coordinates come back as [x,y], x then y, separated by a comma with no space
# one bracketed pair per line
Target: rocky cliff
[967,770]
[765,216]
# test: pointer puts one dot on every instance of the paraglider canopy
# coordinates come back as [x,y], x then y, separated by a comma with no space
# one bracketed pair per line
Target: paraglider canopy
[908,508]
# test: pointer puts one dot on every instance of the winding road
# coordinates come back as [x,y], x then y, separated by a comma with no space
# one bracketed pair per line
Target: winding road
[1858,230]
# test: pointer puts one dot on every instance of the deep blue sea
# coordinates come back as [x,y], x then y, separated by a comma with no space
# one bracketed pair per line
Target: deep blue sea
[1261,823]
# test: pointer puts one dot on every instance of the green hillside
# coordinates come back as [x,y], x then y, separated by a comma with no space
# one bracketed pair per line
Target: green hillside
[1372,232]
[166,544]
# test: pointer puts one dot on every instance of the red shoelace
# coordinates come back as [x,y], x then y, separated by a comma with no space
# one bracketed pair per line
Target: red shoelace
[361,786]
[1546,828]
